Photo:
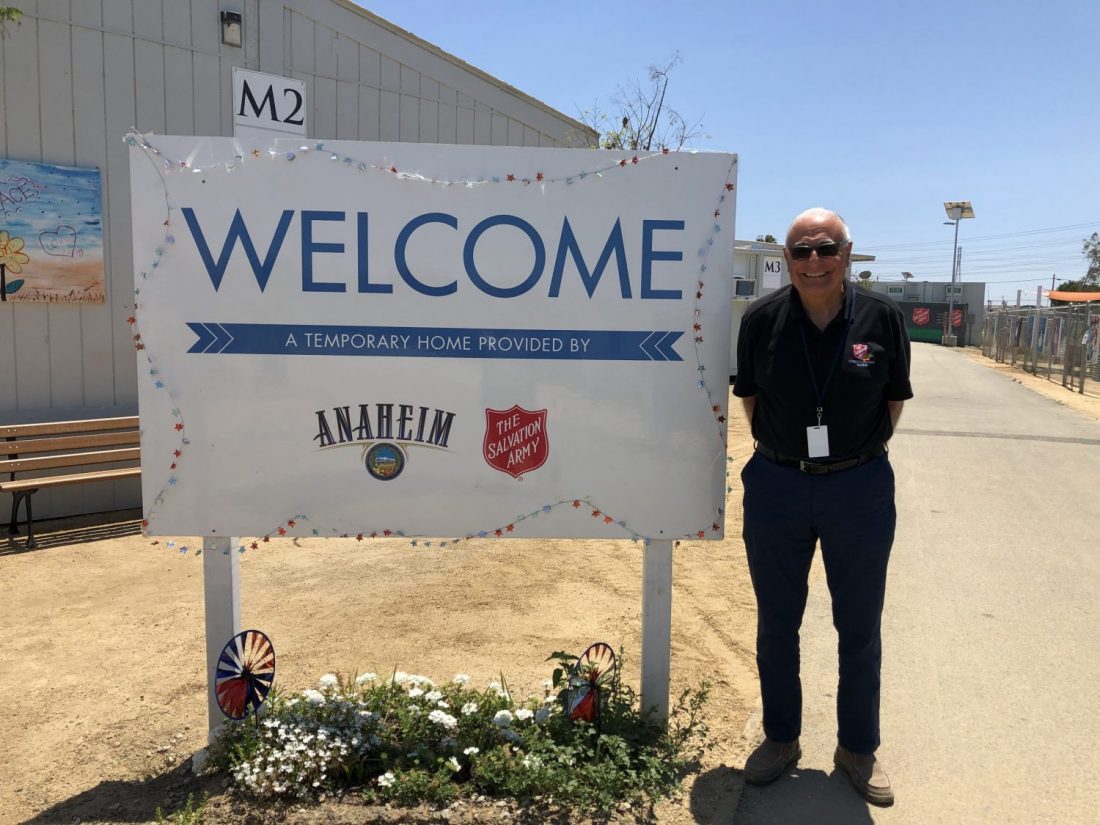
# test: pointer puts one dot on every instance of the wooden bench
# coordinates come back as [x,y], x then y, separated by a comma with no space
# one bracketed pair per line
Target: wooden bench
[26,450]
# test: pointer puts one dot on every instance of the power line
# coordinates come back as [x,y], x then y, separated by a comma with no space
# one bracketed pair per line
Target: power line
[1093,224]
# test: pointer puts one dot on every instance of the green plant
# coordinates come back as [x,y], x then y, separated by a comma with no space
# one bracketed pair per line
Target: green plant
[189,814]
[406,740]
[8,14]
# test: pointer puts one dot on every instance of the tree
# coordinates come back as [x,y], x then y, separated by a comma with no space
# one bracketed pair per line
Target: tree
[767,238]
[639,116]
[1090,248]
[8,14]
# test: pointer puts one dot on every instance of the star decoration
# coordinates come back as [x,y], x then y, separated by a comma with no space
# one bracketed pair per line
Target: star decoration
[538,176]
[254,545]
[576,503]
[714,527]
[290,523]
[179,427]
[282,531]
[499,533]
[700,534]
[622,163]
[729,187]
[607,519]
[510,528]
[511,178]
[596,514]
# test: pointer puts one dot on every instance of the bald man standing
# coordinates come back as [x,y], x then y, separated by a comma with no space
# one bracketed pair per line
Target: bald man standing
[822,371]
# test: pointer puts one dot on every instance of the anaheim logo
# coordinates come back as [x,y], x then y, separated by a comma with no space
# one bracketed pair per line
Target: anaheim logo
[384,438]
[515,440]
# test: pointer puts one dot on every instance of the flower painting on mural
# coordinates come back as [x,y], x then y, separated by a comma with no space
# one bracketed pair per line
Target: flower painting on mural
[51,233]
[12,258]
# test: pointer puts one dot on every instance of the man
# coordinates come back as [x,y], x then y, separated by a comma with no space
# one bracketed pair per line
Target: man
[822,371]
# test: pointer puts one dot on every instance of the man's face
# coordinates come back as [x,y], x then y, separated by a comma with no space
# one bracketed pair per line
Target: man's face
[818,276]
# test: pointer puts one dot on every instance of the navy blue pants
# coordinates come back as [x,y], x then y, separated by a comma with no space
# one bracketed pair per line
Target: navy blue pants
[852,513]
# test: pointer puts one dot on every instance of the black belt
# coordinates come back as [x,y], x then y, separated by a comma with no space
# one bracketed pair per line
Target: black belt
[820,468]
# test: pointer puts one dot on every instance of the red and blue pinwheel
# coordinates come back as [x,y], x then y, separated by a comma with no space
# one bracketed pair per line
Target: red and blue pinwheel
[244,673]
[592,674]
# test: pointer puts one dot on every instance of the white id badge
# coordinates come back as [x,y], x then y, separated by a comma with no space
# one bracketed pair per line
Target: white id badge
[817,440]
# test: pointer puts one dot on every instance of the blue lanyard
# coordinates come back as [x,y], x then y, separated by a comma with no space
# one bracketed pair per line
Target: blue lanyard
[820,393]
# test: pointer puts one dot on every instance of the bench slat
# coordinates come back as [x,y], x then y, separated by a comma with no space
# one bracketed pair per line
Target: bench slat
[75,478]
[90,425]
[26,465]
[69,443]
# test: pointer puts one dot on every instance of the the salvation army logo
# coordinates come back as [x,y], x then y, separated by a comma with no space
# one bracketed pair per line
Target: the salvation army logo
[921,316]
[385,461]
[956,318]
[861,355]
[515,440]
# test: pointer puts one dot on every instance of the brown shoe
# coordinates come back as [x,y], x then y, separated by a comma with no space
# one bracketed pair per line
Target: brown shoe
[867,774]
[768,762]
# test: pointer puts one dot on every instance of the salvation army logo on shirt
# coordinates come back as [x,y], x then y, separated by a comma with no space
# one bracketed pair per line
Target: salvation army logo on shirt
[861,356]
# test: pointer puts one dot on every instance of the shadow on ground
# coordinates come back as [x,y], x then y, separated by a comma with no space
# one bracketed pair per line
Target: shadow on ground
[135,800]
[714,796]
[77,530]
[800,796]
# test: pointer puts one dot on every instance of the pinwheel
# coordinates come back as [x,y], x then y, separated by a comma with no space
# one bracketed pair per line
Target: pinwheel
[245,671]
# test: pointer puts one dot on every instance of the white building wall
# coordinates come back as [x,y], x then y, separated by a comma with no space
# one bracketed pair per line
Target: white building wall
[77,75]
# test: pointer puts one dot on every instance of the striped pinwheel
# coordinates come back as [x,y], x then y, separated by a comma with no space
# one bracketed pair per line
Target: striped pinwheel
[592,674]
[245,671]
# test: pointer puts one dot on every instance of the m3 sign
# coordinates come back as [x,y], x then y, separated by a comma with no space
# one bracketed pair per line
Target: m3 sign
[268,103]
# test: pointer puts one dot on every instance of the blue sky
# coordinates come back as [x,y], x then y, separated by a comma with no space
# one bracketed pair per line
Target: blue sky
[879,110]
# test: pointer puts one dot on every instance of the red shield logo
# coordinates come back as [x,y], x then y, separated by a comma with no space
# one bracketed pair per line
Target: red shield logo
[859,351]
[920,316]
[956,318]
[515,440]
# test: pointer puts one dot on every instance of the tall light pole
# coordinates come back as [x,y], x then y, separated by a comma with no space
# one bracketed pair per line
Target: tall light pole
[956,211]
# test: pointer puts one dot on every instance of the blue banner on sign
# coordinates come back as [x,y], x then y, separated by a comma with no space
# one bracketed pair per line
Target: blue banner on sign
[434,342]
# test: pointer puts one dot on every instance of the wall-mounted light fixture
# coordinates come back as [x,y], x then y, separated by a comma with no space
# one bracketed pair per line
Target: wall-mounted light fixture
[231,28]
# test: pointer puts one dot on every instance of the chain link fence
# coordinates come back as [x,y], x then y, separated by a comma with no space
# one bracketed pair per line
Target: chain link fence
[1056,342]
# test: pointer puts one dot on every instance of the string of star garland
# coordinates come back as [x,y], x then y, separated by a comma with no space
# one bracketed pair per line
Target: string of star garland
[166,166]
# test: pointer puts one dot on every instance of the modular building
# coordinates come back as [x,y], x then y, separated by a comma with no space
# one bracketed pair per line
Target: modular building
[76,77]
[926,304]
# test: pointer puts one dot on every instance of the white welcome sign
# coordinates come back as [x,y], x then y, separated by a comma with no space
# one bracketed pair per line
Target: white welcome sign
[347,338]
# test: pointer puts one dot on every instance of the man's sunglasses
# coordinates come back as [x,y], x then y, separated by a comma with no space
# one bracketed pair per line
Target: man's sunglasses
[826,250]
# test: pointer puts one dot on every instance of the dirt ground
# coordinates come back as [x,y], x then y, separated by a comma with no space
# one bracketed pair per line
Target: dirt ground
[102,658]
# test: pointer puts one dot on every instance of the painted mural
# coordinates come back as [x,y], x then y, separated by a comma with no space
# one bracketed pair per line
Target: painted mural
[51,233]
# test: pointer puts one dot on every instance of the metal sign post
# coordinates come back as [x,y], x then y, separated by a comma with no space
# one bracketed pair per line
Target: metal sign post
[221,581]
[656,625]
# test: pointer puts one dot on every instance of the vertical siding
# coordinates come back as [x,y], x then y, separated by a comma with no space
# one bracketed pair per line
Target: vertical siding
[77,74]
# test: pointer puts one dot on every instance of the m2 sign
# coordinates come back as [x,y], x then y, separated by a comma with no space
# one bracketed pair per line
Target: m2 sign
[268,103]
[341,338]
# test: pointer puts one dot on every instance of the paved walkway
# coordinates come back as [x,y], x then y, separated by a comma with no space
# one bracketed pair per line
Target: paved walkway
[991,676]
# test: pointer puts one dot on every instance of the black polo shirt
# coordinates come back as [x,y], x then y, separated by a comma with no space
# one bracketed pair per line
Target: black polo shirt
[870,346]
